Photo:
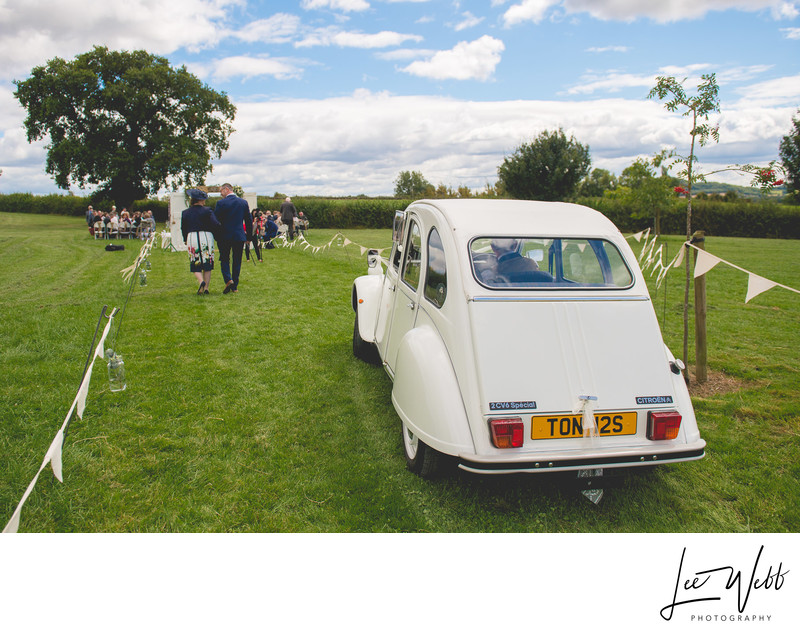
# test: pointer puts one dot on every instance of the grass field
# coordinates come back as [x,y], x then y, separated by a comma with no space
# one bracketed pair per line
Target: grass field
[248,413]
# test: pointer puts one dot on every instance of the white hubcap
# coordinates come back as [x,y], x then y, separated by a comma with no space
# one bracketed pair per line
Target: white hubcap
[411,442]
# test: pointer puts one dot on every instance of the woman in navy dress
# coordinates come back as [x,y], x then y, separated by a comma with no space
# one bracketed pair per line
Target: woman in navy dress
[199,225]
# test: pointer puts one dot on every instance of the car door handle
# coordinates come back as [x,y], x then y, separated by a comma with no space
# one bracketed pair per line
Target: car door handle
[411,305]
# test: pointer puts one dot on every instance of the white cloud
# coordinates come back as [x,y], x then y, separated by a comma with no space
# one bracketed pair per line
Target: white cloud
[247,67]
[611,81]
[772,93]
[359,143]
[14,146]
[34,32]
[608,49]
[785,11]
[691,70]
[334,36]
[338,5]
[628,10]
[468,21]
[384,39]
[467,60]
[740,73]
[404,54]
[791,33]
[277,29]
[528,11]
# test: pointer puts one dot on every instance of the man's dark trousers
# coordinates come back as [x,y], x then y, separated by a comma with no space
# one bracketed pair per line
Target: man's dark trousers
[234,215]
[228,249]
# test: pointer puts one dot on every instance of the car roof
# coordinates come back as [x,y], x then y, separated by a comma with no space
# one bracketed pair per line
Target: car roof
[510,217]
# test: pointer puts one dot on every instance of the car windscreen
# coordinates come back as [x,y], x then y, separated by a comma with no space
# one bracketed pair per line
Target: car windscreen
[548,263]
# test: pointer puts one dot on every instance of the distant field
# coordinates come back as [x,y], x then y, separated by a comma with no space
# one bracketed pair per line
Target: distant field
[248,413]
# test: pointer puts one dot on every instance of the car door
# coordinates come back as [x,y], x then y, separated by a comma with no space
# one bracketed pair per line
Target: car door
[391,278]
[406,295]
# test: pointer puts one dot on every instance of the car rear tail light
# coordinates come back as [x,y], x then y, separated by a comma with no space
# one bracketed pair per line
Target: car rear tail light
[663,425]
[507,432]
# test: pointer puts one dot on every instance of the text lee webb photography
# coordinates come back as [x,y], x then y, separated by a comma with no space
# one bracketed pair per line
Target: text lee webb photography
[752,588]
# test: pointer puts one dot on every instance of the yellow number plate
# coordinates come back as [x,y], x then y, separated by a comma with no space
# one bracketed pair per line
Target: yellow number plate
[571,425]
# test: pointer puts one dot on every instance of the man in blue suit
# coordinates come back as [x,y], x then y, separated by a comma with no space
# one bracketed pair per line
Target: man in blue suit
[234,214]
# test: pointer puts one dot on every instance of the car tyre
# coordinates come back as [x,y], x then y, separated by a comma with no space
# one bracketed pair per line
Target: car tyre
[363,350]
[420,458]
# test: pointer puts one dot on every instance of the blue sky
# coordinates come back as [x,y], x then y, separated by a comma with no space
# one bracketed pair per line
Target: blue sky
[338,96]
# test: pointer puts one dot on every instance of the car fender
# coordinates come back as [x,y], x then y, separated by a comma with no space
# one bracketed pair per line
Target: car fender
[683,400]
[366,302]
[426,393]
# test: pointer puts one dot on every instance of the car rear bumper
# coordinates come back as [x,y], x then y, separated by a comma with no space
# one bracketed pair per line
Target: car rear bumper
[570,461]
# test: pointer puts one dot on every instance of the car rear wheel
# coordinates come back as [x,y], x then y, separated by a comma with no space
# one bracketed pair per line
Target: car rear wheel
[420,458]
[365,351]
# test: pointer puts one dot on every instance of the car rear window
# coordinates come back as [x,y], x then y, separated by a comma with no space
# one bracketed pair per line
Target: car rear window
[548,263]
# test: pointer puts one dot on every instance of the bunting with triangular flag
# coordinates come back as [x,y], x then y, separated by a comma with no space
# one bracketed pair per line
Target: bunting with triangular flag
[757,284]
[705,262]
[651,259]
[53,457]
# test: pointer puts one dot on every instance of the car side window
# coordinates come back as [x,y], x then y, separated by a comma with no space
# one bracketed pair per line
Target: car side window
[397,252]
[413,256]
[397,237]
[436,272]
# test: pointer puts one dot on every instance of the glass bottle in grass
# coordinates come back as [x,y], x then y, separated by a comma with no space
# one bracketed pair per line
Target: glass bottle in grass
[116,371]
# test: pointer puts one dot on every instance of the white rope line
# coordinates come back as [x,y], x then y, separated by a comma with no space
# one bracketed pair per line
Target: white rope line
[705,262]
[53,455]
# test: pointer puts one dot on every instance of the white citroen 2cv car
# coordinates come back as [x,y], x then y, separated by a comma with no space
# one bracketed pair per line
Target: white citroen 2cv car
[520,337]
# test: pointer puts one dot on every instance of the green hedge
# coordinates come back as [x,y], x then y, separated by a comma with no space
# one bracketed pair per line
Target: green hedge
[73,205]
[715,218]
[44,205]
[323,212]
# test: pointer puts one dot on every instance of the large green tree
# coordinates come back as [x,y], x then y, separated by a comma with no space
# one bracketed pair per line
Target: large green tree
[410,184]
[790,158]
[649,194]
[126,122]
[597,183]
[549,168]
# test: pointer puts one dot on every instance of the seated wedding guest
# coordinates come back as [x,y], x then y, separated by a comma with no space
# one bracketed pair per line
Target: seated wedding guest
[148,224]
[301,221]
[103,221]
[124,224]
[270,232]
[259,221]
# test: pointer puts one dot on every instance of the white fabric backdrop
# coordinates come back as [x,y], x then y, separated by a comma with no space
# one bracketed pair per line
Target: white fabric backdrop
[177,204]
